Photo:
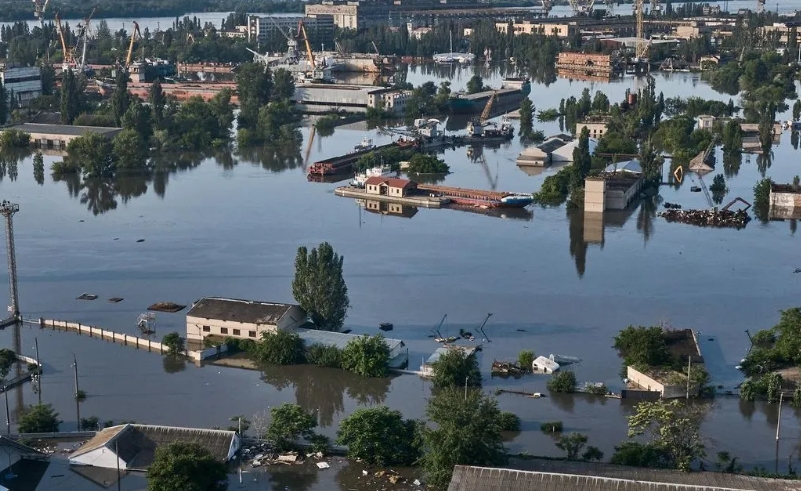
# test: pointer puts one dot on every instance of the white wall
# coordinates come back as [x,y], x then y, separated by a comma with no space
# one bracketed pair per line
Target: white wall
[99,457]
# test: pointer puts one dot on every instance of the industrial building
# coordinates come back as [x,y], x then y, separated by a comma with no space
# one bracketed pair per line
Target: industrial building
[559,29]
[133,446]
[596,127]
[554,150]
[58,136]
[389,186]
[266,29]
[614,190]
[22,84]
[351,14]
[244,319]
[351,98]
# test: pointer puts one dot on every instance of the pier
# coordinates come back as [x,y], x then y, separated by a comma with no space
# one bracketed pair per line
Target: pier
[413,200]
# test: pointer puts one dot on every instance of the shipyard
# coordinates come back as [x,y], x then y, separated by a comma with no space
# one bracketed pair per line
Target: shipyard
[340,245]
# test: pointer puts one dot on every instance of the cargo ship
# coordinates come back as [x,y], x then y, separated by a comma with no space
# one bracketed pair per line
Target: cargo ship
[512,92]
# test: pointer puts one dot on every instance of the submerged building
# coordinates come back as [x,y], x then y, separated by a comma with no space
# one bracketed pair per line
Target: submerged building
[245,319]
[22,84]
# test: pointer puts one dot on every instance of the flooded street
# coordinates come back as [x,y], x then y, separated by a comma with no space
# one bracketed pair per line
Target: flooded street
[230,227]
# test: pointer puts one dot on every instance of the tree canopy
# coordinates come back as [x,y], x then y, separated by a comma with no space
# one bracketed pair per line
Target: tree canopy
[467,431]
[186,467]
[380,436]
[280,348]
[672,427]
[455,369]
[366,355]
[319,286]
[39,418]
[289,423]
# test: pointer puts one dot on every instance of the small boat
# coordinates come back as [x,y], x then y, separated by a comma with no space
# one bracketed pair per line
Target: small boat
[378,171]
[386,326]
[365,144]
[517,200]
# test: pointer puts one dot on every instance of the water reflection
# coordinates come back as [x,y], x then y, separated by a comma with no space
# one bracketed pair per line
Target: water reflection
[731,164]
[174,364]
[273,158]
[99,195]
[763,162]
[296,478]
[323,389]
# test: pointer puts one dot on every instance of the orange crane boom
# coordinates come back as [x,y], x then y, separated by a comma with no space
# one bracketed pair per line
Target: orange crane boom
[66,51]
[309,52]
[131,44]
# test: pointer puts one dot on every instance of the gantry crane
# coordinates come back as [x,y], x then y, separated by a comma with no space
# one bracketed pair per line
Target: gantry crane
[641,48]
[83,34]
[476,126]
[135,32]
[39,10]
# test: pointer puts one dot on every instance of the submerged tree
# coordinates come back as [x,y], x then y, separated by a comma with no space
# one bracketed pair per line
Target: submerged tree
[380,436]
[182,466]
[673,427]
[319,286]
[456,369]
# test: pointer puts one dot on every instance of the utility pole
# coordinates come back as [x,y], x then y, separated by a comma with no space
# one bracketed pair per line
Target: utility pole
[8,413]
[77,401]
[117,454]
[8,209]
[779,421]
[465,388]
[689,367]
[38,371]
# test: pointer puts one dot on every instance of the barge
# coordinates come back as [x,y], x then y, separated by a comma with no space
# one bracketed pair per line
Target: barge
[512,92]
[479,198]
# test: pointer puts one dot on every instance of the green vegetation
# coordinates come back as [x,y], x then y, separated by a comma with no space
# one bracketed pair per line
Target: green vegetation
[552,427]
[554,188]
[466,431]
[679,137]
[39,418]
[14,139]
[174,343]
[475,84]
[266,115]
[289,423]
[762,199]
[427,100]
[380,436]
[696,106]
[775,348]
[280,348]
[7,360]
[366,356]
[732,138]
[525,359]
[641,455]
[80,395]
[182,466]
[392,157]
[456,369]
[423,163]
[526,118]
[327,123]
[324,355]
[572,444]
[767,386]
[92,423]
[673,428]
[319,286]
[562,381]
[509,421]
[38,168]
[718,188]
[569,180]
[546,115]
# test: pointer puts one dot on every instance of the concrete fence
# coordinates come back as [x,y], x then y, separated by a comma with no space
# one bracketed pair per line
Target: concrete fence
[100,333]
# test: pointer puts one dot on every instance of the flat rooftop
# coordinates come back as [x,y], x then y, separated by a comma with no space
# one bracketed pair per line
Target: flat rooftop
[60,129]
[233,309]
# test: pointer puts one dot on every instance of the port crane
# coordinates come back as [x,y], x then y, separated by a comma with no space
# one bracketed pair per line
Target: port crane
[641,49]
[476,126]
[315,75]
[129,55]
[67,52]
[39,8]
[581,7]
[83,35]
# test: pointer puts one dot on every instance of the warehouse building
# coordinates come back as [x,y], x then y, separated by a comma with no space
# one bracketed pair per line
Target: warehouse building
[315,98]
[22,84]
[267,29]
[58,136]
[133,446]
[244,319]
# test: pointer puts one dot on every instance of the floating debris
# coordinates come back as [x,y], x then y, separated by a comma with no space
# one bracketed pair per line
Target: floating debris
[386,326]
[115,300]
[87,296]
[695,189]
[141,240]
[506,368]
[708,218]
[166,307]
[672,206]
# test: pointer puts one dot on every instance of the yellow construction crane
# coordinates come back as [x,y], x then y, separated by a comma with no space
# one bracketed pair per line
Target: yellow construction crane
[66,50]
[485,114]
[131,45]
[309,53]
[641,46]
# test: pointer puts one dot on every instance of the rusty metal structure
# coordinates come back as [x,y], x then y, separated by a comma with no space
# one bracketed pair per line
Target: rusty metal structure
[8,210]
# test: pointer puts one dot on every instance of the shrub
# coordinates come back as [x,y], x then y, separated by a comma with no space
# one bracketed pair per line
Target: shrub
[563,382]
[15,139]
[367,356]
[280,348]
[509,421]
[174,343]
[552,427]
[324,355]
[526,359]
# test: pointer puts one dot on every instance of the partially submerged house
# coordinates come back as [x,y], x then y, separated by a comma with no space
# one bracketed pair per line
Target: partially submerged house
[133,446]
[245,319]
[545,365]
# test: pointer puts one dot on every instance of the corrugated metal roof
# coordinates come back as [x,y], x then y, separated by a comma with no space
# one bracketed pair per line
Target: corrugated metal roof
[557,476]
[338,339]
[236,310]
[60,129]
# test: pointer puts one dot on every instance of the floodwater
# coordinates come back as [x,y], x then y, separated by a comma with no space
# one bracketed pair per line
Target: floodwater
[230,226]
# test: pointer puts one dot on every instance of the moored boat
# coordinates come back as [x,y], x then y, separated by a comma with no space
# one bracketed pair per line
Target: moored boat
[517,200]
[378,171]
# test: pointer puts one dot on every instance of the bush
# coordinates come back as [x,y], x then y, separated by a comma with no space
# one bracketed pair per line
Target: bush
[380,436]
[280,348]
[40,418]
[548,115]
[240,345]
[455,369]
[564,382]
[422,163]
[509,421]
[367,356]
[552,427]
[15,139]
[526,360]
[289,422]
[324,355]
[598,390]
[174,343]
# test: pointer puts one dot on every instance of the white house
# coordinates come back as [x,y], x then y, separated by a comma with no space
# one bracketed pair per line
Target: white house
[246,319]
[134,446]
[545,365]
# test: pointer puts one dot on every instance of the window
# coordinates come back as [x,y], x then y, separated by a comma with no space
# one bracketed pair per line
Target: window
[252,334]
[223,330]
[236,332]
[206,329]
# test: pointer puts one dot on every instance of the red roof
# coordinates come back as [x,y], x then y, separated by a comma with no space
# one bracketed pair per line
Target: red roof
[392,182]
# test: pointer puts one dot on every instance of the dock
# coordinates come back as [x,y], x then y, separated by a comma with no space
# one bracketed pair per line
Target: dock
[464,196]
[426,201]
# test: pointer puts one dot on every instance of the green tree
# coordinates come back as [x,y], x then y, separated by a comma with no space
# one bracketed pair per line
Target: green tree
[475,84]
[7,360]
[139,118]
[797,110]
[283,85]
[255,85]
[3,104]
[526,117]
[120,98]
[562,381]
[526,360]
[92,423]
[130,150]
[280,348]
[592,453]
[642,346]
[158,101]
[72,98]
[48,74]
[732,138]
[466,431]
[455,369]
[289,423]
[367,356]
[640,455]
[509,421]
[319,286]
[186,467]
[552,427]
[174,343]
[39,418]
[380,436]
[422,163]
[93,154]
[572,444]
[673,427]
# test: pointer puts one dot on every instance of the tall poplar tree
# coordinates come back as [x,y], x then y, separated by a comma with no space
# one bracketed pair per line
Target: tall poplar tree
[319,286]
